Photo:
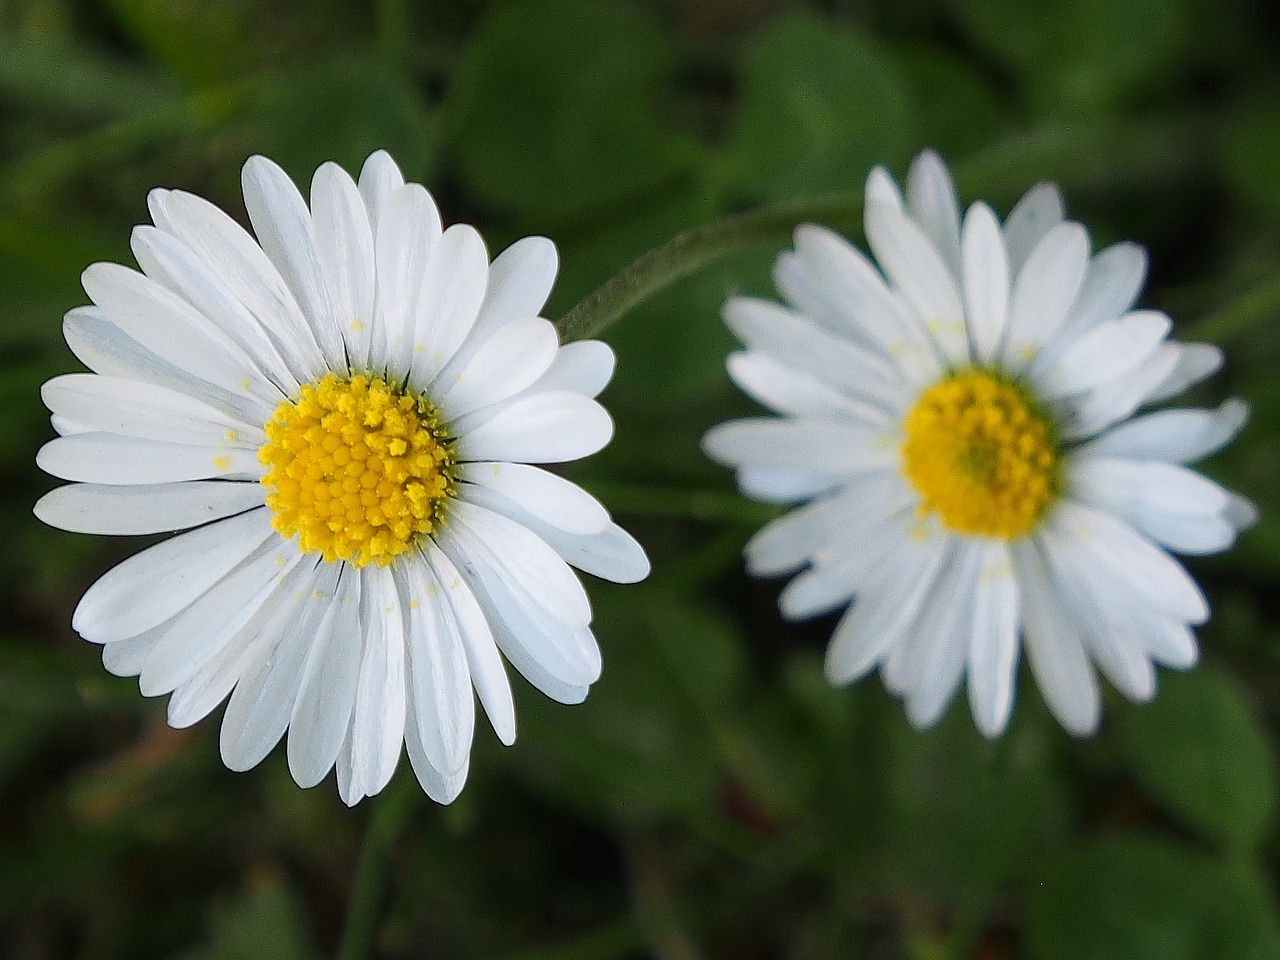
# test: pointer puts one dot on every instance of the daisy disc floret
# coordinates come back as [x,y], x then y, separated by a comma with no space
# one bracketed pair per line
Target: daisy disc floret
[967,423]
[347,415]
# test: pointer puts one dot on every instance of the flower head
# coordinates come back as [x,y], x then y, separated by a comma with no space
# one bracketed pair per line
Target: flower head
[964,423]
[345,415]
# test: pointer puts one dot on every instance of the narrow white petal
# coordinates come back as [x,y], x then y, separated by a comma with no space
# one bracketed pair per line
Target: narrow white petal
[378,718]
[1195,535]
[823,446]
[408,229]
[149,588]
[1123,486]
[111,459]
[986,280]
[1241,513]
[584,367]
[799,344]
[832,580]
[158,508]
[545,495]
[507,363]
[242,600]
[1054,648]
[126,658]
[881,188]
[931,198]
[1108,351]
[283,225]
[1039,211]
[551,427]
[169,327]
[993,647]
[496,547]
[453,289]
[379,179]
[796,394]
[785,485]
[240,268]
[196,698]
[483,660]
[344,247]
[1195,361]
[443,707]
[520,280]
[440,787]
[1111,286]
[164,257]
[327,689]
[1044,290]
[1179,436]
[1116,399]
[919,275]
[264,698]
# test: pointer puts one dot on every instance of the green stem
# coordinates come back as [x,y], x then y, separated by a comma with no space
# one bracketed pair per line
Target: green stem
[391,811]
[1149,152]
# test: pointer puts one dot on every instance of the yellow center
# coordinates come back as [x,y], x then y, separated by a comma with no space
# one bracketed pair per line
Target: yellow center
[357,469]
[982,454]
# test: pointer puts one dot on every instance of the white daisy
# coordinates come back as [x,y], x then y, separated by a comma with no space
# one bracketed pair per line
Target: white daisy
[345,414]
[962,422]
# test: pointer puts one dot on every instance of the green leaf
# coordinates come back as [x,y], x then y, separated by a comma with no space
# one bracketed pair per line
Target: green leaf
[819,107]
[1077,54]
[1202,751]
[342,110]
[1135,898]
[553,110]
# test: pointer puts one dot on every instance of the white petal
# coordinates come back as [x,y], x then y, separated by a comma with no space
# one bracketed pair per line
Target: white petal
[408,229]
[164,257]
[491,546]
[378,719]
[584,367]
[931,198]
[453,289]
[1119,397]
[520,280]
[108,458]
[549,427]
[832,580]
[1044,290]
[1196,535]
[986,280]
[440,787]
[1123,486]
[241,601]
[196,698]
[264,698]
[920,276]
[443,707]
[379,178]
[283,225]
[94,508]
[785,485]
[796,394]
[993,647]
[1179,436]
[1111,286]
[1195,361]
[1108,351]
[149,588]
[547,496]
[507,363]
[126,658]
[883,612]
[344,247]
[1038,212]
[240,268]
[1054,649]
[882,189]
[799,344]
[823,446]
[483,661]
[169,327]
[327,689]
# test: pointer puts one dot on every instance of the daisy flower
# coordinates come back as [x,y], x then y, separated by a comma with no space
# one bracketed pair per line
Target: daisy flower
[965,423]
[346,416]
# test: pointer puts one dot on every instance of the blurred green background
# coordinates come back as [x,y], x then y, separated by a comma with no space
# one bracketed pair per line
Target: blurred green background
[713,798]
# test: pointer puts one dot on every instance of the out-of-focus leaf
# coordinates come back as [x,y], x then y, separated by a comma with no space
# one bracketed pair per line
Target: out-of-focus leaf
[195,39]
[264,921]
[1250,156]
[1201,750]
[1136,898]
[1078,54]
[954,106]
[554,108]
[49,74]
[341,110]
[819,107]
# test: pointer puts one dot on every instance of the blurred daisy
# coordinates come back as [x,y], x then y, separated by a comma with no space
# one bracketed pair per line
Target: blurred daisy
[345,414]
[964,424]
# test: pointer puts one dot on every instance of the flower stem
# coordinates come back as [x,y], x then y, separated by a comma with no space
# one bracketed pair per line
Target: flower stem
[391,811]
